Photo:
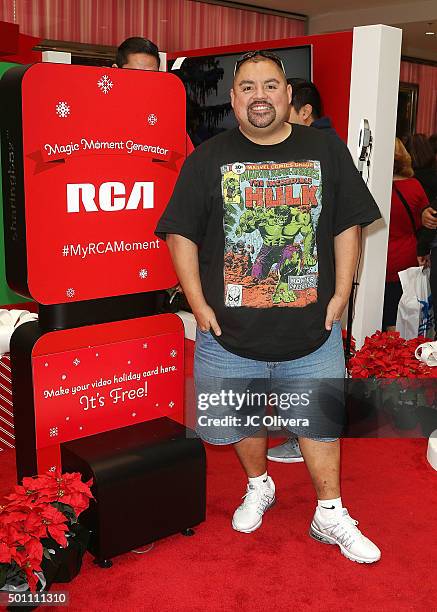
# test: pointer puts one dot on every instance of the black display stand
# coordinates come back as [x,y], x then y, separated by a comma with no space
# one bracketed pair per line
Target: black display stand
[149,478]
[149,483]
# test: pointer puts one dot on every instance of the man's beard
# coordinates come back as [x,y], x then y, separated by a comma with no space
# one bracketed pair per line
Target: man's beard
[261,120]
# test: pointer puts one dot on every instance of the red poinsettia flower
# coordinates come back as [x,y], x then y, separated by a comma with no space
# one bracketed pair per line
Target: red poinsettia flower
[56,487]
[54,522]
[34,525]
[5,552]
[29,558]
[386,355]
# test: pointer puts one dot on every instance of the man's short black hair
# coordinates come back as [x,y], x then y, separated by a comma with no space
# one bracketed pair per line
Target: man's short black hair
[136,44]
[305,92]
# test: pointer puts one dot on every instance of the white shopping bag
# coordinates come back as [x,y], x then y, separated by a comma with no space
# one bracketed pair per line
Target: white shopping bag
[415,313]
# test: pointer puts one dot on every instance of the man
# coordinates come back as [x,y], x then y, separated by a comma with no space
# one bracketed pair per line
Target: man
[306,106]
[305,109]
[137,53]
[244,338]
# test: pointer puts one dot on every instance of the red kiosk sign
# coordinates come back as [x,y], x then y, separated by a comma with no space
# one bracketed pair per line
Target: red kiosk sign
[100,162]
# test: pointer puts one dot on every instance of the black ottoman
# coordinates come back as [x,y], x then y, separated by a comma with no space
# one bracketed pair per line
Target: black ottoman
[149,483]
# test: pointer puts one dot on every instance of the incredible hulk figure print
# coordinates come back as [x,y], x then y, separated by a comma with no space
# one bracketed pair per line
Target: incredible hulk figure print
[273,210]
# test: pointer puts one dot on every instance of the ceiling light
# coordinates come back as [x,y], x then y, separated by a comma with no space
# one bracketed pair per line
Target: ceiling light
[429,33]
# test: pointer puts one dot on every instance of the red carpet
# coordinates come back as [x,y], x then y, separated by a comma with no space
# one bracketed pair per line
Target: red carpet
[387,485]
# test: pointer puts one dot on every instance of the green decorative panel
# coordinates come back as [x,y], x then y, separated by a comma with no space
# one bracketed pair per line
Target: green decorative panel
[6,295]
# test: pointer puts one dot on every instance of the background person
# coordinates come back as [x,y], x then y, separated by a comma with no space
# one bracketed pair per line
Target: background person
[305,109]
[424,162]
[137,53]
[306,106]
[407,202]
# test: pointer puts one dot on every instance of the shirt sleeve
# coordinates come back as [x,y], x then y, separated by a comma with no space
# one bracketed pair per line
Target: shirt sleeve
[186,212]
[354,204]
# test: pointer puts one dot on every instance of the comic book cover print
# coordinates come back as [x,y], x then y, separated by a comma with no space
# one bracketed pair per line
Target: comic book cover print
[271,211]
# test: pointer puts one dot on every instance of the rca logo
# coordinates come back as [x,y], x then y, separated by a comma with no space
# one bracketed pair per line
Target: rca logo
[112,196]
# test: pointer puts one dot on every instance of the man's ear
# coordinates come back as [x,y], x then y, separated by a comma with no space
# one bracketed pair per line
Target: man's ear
[232,96]
[290,93]
[306,111]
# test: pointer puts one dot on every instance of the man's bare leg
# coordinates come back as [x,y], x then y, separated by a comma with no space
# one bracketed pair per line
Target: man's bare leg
[323,462]
[252,455]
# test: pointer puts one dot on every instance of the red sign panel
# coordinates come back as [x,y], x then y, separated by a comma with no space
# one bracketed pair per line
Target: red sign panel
[102,151]
[105,385]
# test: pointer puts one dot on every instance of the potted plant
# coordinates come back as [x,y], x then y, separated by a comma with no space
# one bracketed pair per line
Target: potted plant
[41,540]
[405,384]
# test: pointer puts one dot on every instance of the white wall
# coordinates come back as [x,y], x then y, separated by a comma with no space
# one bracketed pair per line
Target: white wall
[373,95]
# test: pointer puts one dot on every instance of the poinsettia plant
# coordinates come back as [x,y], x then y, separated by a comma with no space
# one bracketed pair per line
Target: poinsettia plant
[388,356]
[39,513]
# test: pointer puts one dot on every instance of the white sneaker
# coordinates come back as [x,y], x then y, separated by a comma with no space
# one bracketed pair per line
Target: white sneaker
[257,500]
[343,530]
[287,452]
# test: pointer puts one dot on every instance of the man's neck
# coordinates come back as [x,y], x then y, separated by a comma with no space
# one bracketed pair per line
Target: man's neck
[260,137]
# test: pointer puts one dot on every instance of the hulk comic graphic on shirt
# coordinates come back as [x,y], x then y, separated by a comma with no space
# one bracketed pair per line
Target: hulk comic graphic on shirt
[271,211]
[279,227]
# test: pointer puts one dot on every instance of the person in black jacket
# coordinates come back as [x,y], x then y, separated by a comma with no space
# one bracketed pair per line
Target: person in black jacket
[306,106]
[424,163]
[305,109]
[425,170]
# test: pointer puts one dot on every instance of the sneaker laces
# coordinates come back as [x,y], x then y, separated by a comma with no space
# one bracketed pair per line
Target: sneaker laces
[345,529]
[257,495]
[294,444]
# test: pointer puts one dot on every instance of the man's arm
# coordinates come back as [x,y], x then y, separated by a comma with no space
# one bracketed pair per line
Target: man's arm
[185,258]
[346,249]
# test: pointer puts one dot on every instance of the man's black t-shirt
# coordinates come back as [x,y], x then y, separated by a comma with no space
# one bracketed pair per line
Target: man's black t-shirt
[264,218]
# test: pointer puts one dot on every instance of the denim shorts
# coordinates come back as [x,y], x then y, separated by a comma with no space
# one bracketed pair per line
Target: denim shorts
[239,397]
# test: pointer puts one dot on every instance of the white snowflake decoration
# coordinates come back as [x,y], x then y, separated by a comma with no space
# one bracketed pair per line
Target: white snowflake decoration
[62,109]
[105,84]
[76,362]
[52,468]
[173,353]
[70,292]
[170,404]
[143,273]
[145,345]
[152,119]
[53,432]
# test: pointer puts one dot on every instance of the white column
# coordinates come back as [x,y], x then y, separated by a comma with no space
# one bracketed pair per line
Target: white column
[373,96]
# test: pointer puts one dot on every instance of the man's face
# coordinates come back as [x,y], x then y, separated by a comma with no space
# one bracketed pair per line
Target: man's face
[260,96]
[141,61]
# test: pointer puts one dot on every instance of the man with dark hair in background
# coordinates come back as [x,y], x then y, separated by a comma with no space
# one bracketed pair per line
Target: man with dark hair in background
[306,106]
[137,53]
[305,109]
